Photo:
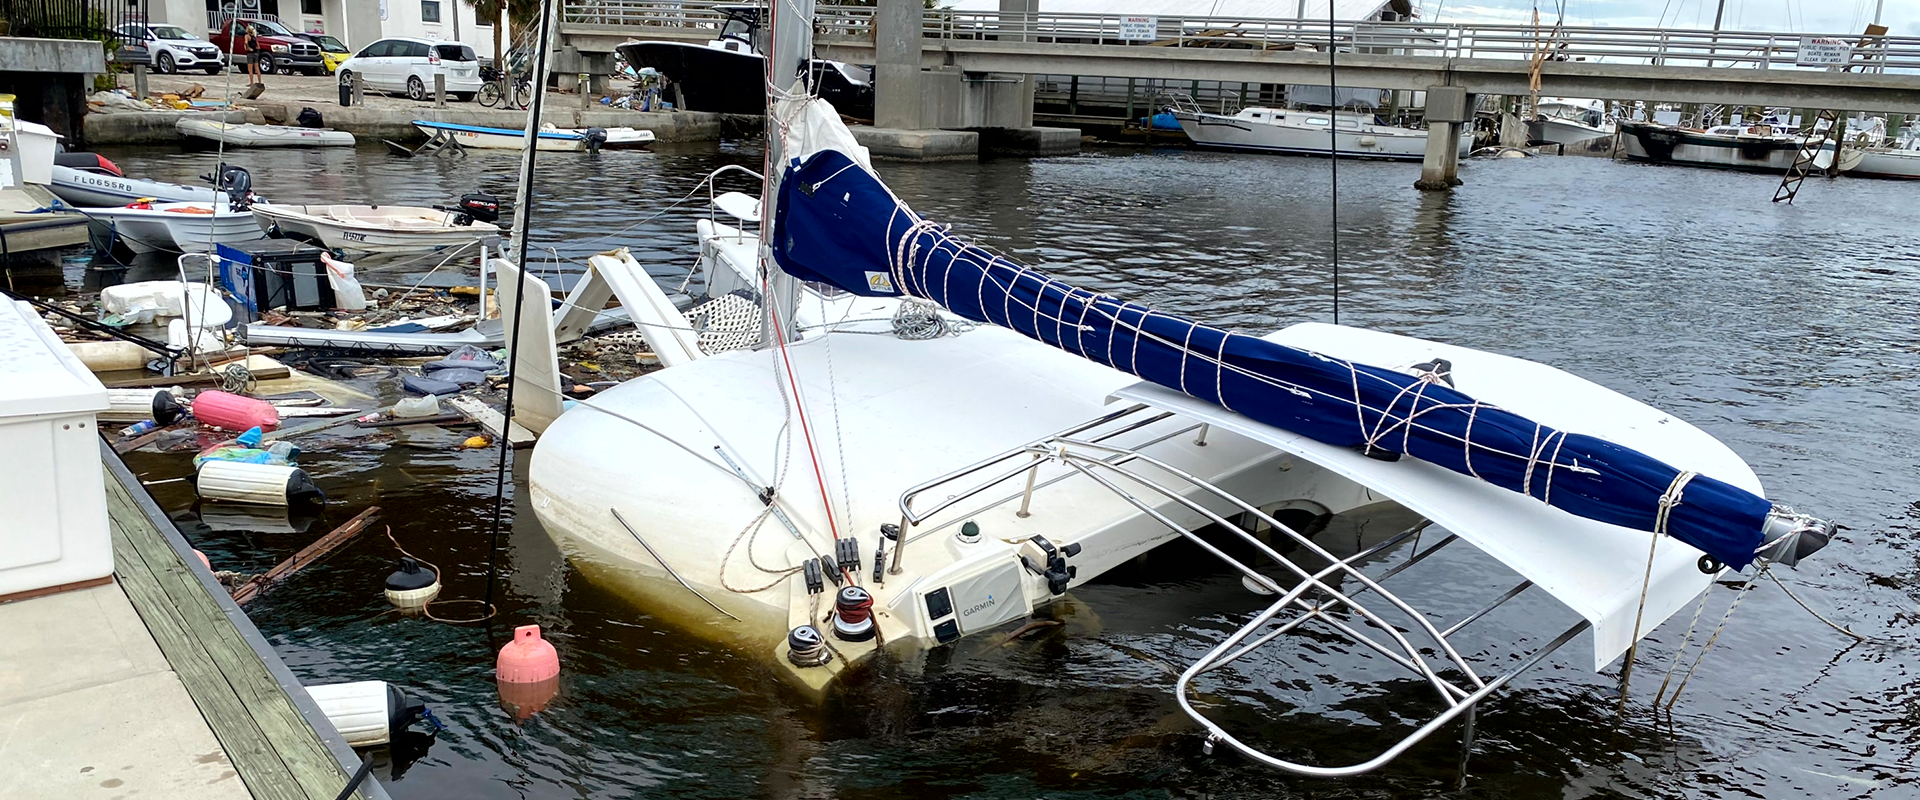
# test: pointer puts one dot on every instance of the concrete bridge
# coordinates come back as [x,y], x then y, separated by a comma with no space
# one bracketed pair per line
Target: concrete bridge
[917,53]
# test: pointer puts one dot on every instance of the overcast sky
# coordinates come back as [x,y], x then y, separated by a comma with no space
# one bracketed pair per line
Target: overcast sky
[1800,16]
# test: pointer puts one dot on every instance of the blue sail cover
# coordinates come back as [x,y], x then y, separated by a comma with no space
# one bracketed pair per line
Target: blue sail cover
[836,223]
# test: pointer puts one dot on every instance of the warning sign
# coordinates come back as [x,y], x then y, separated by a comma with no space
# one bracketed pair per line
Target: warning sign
[1820,52]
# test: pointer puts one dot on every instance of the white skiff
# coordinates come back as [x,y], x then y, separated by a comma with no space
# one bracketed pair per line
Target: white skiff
[372,229]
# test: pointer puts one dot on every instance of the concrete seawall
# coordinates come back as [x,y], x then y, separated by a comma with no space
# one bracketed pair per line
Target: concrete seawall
[373,124]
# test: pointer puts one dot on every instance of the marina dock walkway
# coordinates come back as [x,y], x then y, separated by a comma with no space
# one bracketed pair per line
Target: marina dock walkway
[155,685]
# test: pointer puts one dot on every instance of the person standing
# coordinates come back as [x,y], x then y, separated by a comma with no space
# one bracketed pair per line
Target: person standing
[248,47]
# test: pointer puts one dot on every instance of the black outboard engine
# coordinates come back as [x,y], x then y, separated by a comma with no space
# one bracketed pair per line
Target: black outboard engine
[596,138]
[476,207]
[237,182]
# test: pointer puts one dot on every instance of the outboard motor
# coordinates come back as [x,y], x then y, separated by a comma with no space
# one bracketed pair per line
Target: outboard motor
[596,138]
[237,182]
[476,207]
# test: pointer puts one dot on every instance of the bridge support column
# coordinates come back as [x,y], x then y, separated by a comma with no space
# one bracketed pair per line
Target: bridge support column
[896,64]
[1447,110]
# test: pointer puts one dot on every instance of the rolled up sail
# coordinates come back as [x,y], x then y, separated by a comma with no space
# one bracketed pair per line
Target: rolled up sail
[837,223]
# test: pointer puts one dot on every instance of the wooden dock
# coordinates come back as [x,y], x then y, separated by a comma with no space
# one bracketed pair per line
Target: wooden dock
[276,739]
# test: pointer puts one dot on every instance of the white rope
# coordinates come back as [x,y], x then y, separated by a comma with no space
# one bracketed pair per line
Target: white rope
[1668,501]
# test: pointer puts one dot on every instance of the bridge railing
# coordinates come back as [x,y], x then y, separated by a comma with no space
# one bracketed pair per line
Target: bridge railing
[643,14]
[1651,46]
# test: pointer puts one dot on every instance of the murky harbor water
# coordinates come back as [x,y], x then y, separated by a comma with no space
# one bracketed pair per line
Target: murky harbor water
[1788,332]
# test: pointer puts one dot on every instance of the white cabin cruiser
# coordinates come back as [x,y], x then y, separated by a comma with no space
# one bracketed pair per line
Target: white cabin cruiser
[1283,130]
[820,500]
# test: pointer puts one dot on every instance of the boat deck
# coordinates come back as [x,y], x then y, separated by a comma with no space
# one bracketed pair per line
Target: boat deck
[24,229]
[156,685]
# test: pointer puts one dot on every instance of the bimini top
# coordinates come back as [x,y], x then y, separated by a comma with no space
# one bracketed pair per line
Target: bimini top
[1592,567]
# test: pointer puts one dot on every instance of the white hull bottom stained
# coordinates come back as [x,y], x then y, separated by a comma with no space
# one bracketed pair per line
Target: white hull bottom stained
[1305,133]
[889,415]
[906,412]
[176,227]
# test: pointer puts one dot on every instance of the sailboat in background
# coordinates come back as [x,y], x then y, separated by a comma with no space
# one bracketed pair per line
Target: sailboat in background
[866,486]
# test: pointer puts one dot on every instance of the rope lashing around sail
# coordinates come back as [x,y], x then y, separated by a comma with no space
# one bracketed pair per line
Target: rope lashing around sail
[1668,501]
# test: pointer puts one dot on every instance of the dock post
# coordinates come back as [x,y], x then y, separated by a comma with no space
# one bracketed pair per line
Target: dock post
[1447,110]
[896,72]
[359,90]
[585,88]
[439,90]
[140,81]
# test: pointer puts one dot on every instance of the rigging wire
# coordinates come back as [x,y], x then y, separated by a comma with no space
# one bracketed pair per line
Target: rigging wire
[523,209]
[1333,155]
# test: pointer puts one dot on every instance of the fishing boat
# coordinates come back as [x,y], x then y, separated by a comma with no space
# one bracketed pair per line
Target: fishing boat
[383,229]
[727,74]
[565,140]
[1565,120]
[1282,130]
[247,134]
[86,180]
[879,485]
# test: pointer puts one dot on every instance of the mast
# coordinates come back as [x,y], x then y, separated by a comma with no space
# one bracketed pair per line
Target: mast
[790,49]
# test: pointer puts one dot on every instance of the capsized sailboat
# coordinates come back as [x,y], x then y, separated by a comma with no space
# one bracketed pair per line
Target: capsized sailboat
[870,487]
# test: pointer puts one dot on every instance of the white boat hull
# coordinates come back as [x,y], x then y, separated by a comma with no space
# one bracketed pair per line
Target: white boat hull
[370,229]
[83,189]
[1665,144]
[559,140]
[1368,141]
[246,134]
[1560,130]
[1886,163]
[164,229]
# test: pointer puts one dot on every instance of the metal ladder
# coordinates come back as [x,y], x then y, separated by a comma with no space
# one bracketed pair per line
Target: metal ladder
[1816,140]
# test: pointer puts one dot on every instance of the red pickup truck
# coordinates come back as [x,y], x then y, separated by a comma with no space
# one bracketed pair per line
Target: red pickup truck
[286,50]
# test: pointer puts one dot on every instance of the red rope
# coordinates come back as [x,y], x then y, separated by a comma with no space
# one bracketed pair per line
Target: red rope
[806,429]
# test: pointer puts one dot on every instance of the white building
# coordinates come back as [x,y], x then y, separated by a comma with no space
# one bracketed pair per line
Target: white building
[358,23]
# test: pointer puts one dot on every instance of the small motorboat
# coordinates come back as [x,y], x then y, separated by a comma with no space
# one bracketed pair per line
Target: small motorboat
[148,225]
[247,134]
[192,227]
[564,140]
[384,229]
[87,180]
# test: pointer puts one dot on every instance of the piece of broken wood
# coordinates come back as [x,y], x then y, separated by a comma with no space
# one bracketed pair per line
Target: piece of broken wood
[314,552]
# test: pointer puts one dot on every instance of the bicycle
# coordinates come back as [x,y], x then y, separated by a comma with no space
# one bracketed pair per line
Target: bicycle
[517,96]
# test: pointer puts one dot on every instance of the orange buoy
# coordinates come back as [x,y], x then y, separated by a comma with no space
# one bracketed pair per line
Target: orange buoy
[203,559]
[528,658]
[523,700]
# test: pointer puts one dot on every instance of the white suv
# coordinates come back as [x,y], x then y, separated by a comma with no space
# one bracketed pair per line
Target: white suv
[408,65]
[174,48]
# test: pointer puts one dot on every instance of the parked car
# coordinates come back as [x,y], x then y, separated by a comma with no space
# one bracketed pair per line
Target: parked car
[174,48]
[332,51]
[408,65]
[287,51]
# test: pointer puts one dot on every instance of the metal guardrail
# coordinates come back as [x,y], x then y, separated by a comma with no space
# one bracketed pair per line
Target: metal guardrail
[95,20]
[1651,46]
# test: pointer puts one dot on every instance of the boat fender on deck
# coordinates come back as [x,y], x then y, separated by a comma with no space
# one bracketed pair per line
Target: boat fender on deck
[367,713]
[256,484]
